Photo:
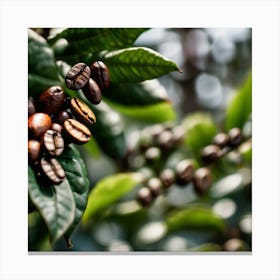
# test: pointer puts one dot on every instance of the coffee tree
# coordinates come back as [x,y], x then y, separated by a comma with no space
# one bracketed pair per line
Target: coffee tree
[91,99]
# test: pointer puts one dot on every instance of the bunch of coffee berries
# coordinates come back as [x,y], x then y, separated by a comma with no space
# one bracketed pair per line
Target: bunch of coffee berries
[222,143]
[55,120]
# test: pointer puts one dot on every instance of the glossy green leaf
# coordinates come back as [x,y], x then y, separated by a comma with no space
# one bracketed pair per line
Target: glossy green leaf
[200,130]
[76,174]
[42,70]
[55,203]
[108,130]
[160,112]
[108,191]
[240,108]
[93,40]
[195,218]
[137,64]
[137,94]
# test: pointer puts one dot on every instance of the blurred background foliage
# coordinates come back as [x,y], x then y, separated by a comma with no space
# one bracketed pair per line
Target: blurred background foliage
[211,95]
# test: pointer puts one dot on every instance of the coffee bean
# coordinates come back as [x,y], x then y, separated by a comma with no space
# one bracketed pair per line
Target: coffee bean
[167,177]
[52,170]
[92,92]
[100,73]
[38,124]
[34,148]
[76,132]
[78,76]
[202,180]
[221,140]
[155,185]
[184,172]
[53,142]
[152,155]
[56,127]
[31,107]
[61,117]
[51,100]
[235,137]
[144,196]
[210,153]
[164,140]
[82,112]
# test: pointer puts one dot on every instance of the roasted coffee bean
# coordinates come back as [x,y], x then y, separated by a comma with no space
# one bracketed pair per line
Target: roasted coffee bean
[164,140]
[76,132]
[78,76]
[167,177]
[31,107]
[51,100]
[61,117]
[53,142]
[38,124]
[56,127]
[184,172]
[144,196]
[82,112]
[52,170]
[202,180]
[100,73]
[210,153]
[221,140]
[34,149]
[92,92]
[155,185]
[235,137]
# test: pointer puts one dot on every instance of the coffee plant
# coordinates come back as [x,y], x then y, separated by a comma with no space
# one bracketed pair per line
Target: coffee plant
[114,165]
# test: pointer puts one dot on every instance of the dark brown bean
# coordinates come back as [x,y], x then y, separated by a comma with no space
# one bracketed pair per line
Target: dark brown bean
[167,177]
[92,92]
[53,142]
[144,196]
[184,172]
[31,107]
[52,170]
[202,180]
[235,137]
[78,76]
[210,153]
[76,132]
[38,124]
[61,117]
[155,185]
[221,140]
[51,100]
[100,73]
[82,112]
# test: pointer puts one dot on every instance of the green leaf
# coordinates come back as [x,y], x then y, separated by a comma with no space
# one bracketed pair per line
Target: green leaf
[93,40]
[55,203]
[42,70]
[145,93]
[76,174]
[195,218]
[161,112]
[108,191]
[108,130]
[200,130]
[240,108]
[137,64]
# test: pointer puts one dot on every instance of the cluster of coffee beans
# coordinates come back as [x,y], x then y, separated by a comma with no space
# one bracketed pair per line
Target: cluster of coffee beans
[222,143]
[55,120]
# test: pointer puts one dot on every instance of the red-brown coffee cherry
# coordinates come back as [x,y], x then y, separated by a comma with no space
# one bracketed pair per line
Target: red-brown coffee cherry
[221,140]
[144,196]
[210,153]
[34,150]
[202,180]
[92,92]
[51,100]
[235,137]
[167,177]
[61,117]
[100,74]
[31,107]
[38,124]
[155,186]
[184,172]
